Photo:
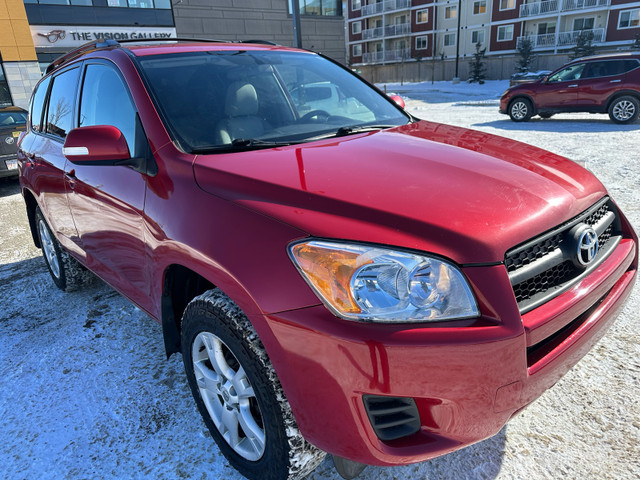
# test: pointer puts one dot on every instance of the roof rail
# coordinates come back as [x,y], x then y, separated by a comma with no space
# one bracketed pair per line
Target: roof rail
[172,39]
[84,48]
[259,42]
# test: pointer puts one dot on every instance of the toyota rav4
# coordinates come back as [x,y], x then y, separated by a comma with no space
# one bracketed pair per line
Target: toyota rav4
[350,279]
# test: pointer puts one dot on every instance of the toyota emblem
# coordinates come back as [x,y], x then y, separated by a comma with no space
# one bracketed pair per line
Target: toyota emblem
[588,246]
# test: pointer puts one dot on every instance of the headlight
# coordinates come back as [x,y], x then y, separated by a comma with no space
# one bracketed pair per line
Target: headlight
[367,283]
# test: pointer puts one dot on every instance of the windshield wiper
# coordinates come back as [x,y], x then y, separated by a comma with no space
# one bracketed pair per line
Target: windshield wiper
[240,144]
[344,131]
[254,142]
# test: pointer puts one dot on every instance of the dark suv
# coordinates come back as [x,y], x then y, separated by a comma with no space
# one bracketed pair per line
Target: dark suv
[602,84]
[338,275]
[13,121]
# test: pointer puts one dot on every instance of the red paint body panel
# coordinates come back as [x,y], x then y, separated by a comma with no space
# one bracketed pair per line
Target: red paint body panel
[579,95]
[443,184]
[457,193]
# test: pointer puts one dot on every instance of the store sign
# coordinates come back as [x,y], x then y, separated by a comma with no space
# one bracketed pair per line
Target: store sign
[73,36]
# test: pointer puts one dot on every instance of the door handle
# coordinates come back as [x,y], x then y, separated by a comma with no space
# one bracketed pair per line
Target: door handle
[573,86]
[615,81]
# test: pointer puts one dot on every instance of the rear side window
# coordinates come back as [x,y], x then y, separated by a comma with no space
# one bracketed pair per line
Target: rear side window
[60,108]
[608,68]
[37,105]
[105,101]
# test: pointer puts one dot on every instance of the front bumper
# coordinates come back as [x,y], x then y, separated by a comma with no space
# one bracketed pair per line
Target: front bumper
[467,379]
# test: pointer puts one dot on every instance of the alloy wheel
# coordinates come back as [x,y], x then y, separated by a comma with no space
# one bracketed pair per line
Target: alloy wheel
[228,396]
[49,248]
[519,110]
[624,110]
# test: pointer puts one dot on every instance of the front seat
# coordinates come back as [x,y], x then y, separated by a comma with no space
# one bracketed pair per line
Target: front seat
[241,108]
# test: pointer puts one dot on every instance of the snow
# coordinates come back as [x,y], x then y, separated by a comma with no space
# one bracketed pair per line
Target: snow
[88,393]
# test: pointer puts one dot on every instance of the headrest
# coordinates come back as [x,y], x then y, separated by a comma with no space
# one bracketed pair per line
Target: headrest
[242,100]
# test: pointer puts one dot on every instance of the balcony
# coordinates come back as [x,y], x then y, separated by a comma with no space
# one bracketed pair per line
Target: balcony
[583,4]
[386,6]
[564,39]
[399,29]
[547,7]
[539,8]
[373,57]
[372,9]
[397,55]
[390,5]
[370,33]
[570,38]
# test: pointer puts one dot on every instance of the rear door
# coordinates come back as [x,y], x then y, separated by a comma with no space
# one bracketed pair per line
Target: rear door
[107,201]
[600,80]
[50,166]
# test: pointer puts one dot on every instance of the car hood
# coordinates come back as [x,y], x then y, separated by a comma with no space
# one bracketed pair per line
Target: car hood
[464,194]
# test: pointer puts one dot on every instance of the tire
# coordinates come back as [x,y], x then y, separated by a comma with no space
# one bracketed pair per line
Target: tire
[624,109]
[520,110]
[219,344]
[66,272]
[545,115]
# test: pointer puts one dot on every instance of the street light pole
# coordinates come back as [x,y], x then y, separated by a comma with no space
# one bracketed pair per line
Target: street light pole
[458,37]
[297,31]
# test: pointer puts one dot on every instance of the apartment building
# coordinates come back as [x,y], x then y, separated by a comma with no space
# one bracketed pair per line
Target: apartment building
[322,22]
[384,33]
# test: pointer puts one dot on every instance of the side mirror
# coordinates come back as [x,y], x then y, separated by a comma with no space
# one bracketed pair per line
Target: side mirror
[545,79]
[398,99]
[97,145]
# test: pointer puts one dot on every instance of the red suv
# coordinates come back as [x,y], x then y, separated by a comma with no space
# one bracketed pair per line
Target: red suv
[339,276]
[602,84]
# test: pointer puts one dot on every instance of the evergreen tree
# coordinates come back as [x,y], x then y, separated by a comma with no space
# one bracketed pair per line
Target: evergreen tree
[477,65]
[584,45]
[526,55]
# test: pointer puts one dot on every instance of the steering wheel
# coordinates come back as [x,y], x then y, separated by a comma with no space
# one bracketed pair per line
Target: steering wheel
[318,114]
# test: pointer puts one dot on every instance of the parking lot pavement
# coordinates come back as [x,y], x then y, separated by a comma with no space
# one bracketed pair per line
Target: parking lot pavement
[87,391]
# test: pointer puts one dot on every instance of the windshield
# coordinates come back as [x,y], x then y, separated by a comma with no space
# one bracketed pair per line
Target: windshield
[221,99]
[12,119]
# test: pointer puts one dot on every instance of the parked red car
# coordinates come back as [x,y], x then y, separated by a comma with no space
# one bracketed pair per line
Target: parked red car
[350,279]
[601,84]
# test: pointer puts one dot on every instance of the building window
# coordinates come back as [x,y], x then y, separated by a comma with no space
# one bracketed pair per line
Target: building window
[449,39]
[583,24]
[505,33]
[507,4]
[421,43]
[357,50]
[120,3]
[629,19]
[355,5]
[422,16]
[326,8]
[480,7]
[450,12]
[548,28]
[477,36]
[356,27]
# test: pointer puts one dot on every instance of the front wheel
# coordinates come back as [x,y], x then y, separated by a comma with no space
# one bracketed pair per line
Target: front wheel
[624,109]
[66,272]
[520,110]
[238,393]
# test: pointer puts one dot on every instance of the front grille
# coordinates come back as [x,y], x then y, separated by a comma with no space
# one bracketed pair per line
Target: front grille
[392,417]
[546,265]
